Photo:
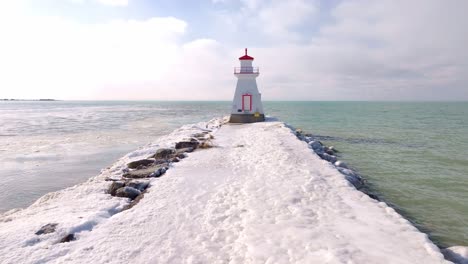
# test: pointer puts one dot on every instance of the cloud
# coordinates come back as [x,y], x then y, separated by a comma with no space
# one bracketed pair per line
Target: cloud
[54,57]
[114,2]
[308,50]
[364,50]
[103,2]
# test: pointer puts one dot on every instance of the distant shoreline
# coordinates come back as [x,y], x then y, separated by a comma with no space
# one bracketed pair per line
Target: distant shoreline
[29,100]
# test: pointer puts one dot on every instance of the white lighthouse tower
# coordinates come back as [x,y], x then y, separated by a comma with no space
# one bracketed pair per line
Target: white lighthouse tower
[247,104]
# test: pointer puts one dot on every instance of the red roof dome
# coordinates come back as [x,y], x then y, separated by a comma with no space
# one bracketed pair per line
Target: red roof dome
[246,57]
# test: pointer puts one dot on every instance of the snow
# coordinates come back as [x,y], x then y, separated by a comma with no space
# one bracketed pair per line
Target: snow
[258,196]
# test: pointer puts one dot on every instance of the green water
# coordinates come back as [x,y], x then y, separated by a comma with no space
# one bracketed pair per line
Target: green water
[414,155]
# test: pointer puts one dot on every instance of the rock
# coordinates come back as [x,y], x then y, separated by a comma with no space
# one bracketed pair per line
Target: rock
[175,159]
[329,150]
[316,146]
[47,229]
[144,173]
[341,164]
[206,144]
[373,196]
[352,177]
[134,202]
[137,163]
[111,179]
[128,192]
[67,238]
[456,254]
[332,148]
[346,171]
[184,150]
[159,172]
[201,136]
[139,185]
[164,153]
[181,156]
[354,181]
[328,157]
[187,144]
[114,187]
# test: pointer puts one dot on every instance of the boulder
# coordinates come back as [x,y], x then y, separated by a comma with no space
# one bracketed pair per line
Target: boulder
[164,153]
[187,144]
[352,177]
[346,171]
[143,173]
[159,172]
[114,187]
[184,150]
[328,157]
[49,228]
[138,163]
[456,254]
[128,192]
[354,180]
[341,164]
[329,150]
[139,185]
[316,146]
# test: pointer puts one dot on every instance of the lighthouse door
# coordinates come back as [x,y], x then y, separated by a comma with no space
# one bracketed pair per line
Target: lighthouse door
[246,102]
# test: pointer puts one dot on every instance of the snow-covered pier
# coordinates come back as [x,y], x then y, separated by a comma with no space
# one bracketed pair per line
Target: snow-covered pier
[255,194]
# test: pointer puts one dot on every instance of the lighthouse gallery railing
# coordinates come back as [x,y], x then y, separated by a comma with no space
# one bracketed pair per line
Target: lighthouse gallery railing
[246,70]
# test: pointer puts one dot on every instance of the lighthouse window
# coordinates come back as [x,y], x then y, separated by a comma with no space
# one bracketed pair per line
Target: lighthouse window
[239,110]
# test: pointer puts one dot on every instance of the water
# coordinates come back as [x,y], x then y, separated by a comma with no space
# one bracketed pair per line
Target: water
[414,155]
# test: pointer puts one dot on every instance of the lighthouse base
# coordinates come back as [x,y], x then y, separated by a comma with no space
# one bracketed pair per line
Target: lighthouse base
[249,118]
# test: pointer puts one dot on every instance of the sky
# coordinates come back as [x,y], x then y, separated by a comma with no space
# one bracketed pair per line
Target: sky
[186,50]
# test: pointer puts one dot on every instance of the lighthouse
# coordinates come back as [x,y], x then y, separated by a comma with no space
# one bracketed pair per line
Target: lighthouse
[247,104]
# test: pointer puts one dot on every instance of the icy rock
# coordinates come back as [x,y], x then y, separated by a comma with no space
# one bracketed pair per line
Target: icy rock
[329,150]
[341,164]
[456,254]
[158,173]
[67,238]
[328,157]
[144,173]
[316,146]
[187,144]
[139,185]
[115,186]
[128,192]
[352,177]
[138,163]
[202,135]
[183,150]
[164,153]
[49,228]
